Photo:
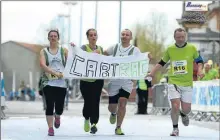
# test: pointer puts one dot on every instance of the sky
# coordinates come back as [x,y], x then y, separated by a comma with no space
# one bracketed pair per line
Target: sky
[27,21]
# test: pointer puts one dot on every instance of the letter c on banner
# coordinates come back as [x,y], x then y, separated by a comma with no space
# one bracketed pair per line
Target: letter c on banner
[74,64]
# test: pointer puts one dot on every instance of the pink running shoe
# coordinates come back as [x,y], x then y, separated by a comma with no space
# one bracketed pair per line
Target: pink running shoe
[175,132]
[57,122]
[51,132]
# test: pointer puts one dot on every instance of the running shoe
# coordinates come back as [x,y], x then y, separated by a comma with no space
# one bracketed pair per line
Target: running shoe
[86,125]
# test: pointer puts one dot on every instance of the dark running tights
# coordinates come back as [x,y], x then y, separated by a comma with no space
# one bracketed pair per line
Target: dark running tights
[54,97]
[91,92]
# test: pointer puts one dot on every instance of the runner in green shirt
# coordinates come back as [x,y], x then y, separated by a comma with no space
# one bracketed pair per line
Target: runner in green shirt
[180,77]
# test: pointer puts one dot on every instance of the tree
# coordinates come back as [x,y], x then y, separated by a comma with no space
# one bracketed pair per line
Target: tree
[151,36]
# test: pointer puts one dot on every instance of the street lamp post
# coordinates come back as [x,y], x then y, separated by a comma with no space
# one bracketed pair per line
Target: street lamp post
[119,29]
[69,4]
[96,13]
[81,16]
[62,28]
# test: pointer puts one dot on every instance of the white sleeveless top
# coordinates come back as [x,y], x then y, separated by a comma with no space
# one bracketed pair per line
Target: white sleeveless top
[126,84]
[121,51]
[55,63]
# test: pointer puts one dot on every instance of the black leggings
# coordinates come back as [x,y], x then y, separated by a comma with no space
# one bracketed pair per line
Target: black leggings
[54,96]
[91,92]
[142,100]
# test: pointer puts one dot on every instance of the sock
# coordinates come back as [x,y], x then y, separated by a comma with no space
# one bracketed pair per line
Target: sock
[182,114]
[118,127]
[113,114]
[57,116]
[175,126]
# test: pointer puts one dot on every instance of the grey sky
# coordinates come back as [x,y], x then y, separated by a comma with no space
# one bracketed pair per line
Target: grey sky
[24,21]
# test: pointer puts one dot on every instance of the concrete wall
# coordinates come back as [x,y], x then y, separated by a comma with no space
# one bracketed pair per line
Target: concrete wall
[213,24]
[21,60]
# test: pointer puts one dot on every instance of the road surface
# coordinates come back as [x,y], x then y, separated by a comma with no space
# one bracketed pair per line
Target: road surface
[26,121]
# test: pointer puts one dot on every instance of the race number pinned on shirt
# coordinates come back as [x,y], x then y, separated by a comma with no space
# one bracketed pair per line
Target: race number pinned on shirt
[52,77]
[179,67]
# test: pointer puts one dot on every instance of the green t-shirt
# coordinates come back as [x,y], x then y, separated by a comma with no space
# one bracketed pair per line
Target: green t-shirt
[212,74]
[181,64]
[215,73]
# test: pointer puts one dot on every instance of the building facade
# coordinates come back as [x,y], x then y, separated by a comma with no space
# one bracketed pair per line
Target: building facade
[205,32]
[20,62]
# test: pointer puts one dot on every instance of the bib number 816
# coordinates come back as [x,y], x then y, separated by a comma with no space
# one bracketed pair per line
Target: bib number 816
[179,68]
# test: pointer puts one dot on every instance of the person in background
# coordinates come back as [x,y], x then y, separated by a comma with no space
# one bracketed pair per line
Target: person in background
[30,93]
[210,73]
[41,93]
[22,92]
[144,88]
[69,91]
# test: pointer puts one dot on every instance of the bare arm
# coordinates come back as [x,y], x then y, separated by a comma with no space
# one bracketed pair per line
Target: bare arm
[43,64]
[155,69]
[150,91]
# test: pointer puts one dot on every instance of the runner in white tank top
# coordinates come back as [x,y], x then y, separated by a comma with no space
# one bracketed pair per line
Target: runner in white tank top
[55,63]
[52,61]
[120,90]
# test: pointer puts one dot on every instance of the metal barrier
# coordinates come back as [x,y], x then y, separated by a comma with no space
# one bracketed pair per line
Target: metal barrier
[205,104]
[205,116]
[206,100]
[160,100]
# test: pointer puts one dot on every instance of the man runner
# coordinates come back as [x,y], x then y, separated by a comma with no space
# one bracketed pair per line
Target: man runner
[181,56]
[120,89]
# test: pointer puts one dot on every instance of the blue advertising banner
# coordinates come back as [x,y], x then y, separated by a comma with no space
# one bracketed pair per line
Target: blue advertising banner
[206,95]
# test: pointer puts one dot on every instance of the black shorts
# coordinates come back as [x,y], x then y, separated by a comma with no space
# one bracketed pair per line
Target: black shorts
[122,93]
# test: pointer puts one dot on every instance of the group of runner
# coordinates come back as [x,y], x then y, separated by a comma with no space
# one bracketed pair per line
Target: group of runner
[53,59]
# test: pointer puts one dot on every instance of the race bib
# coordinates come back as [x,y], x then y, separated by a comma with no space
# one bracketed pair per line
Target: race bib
[179,67]
[52,77]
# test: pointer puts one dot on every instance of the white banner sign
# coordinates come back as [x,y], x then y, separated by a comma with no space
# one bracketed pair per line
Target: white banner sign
[84,65]
[206,96]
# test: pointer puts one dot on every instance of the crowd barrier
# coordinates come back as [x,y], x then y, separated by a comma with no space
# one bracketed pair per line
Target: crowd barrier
[2,97]
[205,100]
[160,100]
